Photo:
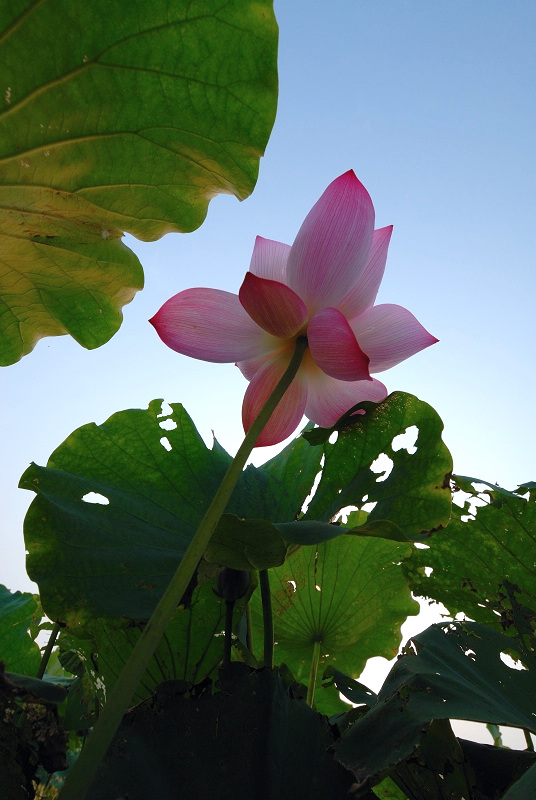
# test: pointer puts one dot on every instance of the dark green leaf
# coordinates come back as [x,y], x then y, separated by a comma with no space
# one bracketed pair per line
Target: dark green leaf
[306,531]
[438,768]
[529,487]
[354,691]
[249,544]
[250,740]
[382,528]
[466,565]
[524,788]
[496,768]
[47,691]
[132,117]
[18,651]
[452,671]
[412,490]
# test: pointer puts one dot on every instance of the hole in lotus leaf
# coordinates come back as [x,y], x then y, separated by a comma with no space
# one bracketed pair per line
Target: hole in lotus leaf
[344,513]
[470,654]
[368,507]
[406,440]
[95,497]
[421,546]
[383,465]
[511,662]
[164,441]
[333,438]
[166,409]
[168,424]
[318,588]
[473,502]
[314,487]
[428,571]
[292,585]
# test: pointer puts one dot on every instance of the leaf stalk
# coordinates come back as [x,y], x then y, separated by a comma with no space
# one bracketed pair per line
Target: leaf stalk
[311,686]
[267,619]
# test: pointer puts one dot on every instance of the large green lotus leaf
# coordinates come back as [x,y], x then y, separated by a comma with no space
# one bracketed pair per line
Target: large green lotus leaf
[451,671]
[118,116]
[409,484]
[117,506]
[251,739]
[18,650]
[349,594]
[467,565]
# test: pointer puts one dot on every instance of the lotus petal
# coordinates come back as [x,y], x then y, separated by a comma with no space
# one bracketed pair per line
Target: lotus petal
[211,324]
[334,347]
[332,246]
[389,334]
[288,414]
[272,305]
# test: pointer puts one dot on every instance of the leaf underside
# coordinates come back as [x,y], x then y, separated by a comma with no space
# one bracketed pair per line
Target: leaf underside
[130,117]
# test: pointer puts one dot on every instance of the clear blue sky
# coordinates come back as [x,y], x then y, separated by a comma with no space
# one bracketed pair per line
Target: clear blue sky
[433,105]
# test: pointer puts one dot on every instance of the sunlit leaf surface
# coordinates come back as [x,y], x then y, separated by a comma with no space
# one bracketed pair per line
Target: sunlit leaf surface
[118,504]
[118,116]
[348,594]
[490,539]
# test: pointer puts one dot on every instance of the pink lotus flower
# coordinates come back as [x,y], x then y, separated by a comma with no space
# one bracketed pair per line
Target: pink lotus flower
[324,288]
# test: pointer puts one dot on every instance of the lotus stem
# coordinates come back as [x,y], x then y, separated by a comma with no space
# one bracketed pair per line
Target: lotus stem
[47,652]
[267,619]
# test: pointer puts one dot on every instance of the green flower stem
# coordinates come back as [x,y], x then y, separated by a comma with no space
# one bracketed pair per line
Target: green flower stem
[267,620]
[85,768]
[312,674]
[47,652]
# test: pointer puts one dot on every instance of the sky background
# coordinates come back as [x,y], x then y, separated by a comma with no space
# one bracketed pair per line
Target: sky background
[432,104]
